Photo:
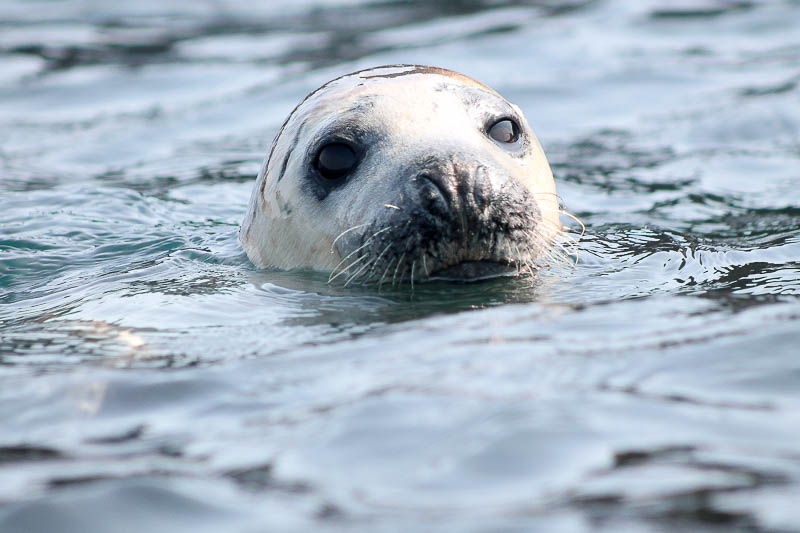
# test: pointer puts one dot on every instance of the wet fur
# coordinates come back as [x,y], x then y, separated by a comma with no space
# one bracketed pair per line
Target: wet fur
[429,191]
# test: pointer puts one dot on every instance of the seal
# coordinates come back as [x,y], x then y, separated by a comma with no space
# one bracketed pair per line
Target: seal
[403,173]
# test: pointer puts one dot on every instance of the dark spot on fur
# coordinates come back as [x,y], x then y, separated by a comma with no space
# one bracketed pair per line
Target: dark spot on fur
[290,150]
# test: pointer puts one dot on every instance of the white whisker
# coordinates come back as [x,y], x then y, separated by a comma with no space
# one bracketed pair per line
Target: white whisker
[576,219]
[351,265]
[377,259]
[343,233]
[332,277]
[519,259]
[399,262]
[360,270]
[380,283]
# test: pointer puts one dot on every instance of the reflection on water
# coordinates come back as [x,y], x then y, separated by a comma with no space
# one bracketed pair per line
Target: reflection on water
[150,377]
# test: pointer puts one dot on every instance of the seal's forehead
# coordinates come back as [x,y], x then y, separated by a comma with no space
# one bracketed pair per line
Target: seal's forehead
[394,77]
[399,71]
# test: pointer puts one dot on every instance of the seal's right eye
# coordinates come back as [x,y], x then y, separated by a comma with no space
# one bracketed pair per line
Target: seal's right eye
[335,160]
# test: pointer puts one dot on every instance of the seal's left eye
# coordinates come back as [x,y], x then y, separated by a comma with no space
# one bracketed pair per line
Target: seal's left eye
[504,131]
[335,160]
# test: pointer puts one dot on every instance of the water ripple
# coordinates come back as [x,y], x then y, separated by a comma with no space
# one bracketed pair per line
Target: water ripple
[151,377]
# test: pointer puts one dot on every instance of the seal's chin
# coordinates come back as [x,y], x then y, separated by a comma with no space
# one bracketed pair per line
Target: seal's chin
[474,271]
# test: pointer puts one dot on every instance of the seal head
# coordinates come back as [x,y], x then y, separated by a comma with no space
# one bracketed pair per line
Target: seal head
[403,173]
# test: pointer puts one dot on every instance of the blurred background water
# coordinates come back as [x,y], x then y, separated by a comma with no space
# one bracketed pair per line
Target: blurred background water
[150,377]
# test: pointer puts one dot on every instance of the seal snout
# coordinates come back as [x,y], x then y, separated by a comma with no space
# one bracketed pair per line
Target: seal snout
[452,220]
[451,189]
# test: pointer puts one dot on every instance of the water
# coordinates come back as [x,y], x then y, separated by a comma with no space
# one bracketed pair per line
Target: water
[150,377]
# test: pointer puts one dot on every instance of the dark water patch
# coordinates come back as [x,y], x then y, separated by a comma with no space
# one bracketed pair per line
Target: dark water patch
[356,306]
[160,186]
[67,482]
[13,454]
[702,10]
[685,399]
[688,505]
[130,54]
[110,37]
[255,479]
[760,228]
[129,435]
[611,161]
[695,263]
[766,282]
[785,87]
[46,272]
[638,457]
[120,504]
[261,478]
[21,245]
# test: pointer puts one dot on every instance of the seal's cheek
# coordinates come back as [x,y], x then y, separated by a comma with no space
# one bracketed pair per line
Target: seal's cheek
[284,206]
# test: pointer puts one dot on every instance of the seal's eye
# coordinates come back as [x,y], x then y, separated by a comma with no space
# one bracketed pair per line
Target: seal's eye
[335,160]
[504,131]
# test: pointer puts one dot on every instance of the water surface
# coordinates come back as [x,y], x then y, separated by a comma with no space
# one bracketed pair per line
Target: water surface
[150,377]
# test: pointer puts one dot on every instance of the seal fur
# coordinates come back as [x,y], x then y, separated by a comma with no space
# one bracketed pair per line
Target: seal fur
[432,193]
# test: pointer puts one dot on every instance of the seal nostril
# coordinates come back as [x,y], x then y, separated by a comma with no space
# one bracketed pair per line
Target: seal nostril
[433,191]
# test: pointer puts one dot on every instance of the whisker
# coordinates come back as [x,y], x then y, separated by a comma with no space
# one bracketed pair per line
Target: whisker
[377,260]
[576,219]
[532,267]
[332,277]
[360,270]
[399,262]
[559,254]
[346,231]
[351,265]
[380,283]
[402,274]
[519,260]
[334,274]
